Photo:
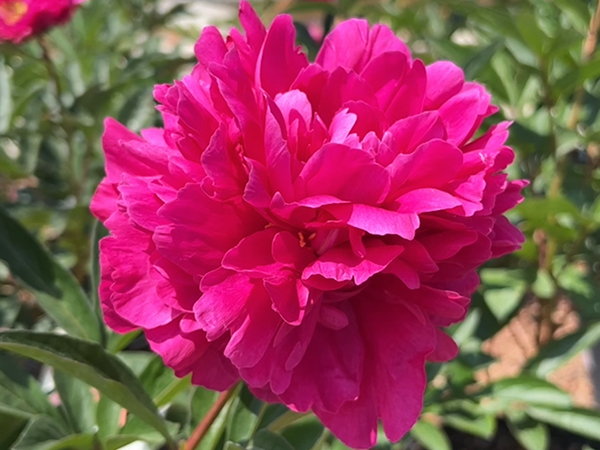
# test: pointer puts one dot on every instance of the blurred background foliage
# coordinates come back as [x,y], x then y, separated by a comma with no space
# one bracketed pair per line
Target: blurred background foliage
[520,380]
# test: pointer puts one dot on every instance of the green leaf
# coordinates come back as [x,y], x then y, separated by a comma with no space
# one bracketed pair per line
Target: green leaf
[543,286]
[577,12]
[531,391]
[202,401]
[5,97]
[56,289]
[430,436]
[41,434]
[243,416]
[583,291]
[267,440]
[160,382]
[72,310]
[560,351]
[531,434]
[580,421]
[21,393]
[141,431]
[304,434]
[25,257]
[504,291]
[118,442]
[531,32]
[481,59]
[12,427]
[108,414]
[78,402]
[469,417]
[91,364]
[118,342]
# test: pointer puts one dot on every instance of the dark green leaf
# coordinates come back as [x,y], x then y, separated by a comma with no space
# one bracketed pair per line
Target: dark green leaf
[72,310]
[41,434]
[12,427]
[91,364]
[22,393]
[57,290]
[481,59]
[161,383]
[267,440]
[558,352]
[531,434]
[78,402]
[25,256]
[305,433]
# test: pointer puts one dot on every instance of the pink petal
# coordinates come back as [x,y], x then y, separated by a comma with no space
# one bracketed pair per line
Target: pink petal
[377,221]
[341,264]
[280,61]
[446,80]
[352,44]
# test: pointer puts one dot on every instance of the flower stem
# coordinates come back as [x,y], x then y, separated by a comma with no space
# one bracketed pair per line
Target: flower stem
[205,424]
[51,68]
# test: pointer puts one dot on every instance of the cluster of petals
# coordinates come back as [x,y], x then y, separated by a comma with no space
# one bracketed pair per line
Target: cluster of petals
[23,19]
[308,228]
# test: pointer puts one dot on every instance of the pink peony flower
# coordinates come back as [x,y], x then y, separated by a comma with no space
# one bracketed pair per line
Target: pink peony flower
[307,228]
[23,19]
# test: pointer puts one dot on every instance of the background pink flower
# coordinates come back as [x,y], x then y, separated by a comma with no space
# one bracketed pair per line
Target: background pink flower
[22,19]
[307,228]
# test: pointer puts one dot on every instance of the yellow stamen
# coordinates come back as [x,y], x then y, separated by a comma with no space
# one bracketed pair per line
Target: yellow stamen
[302,240]
[13,11]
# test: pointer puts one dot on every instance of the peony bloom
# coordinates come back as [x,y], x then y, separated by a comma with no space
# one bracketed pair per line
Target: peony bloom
[307,228]
[22,19]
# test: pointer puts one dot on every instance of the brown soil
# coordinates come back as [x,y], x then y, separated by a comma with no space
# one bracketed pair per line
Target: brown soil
[518,342]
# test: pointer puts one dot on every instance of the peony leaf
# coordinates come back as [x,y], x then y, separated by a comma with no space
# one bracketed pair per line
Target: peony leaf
[41,434]
[531,434]
[530,390]
[580,421]
[430,436]
[245,412]
[267,440]
[21,394]
[558,352]
[305,434]
[160,382]
[25,256]
[202,400]
[57,291]
[91,364]
[108,414]
[12,426]
[77,401]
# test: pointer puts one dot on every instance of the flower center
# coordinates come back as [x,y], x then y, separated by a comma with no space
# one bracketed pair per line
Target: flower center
[12,11]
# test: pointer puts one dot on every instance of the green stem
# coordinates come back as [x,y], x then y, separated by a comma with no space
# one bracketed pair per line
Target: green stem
[286,419]
[51,68]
